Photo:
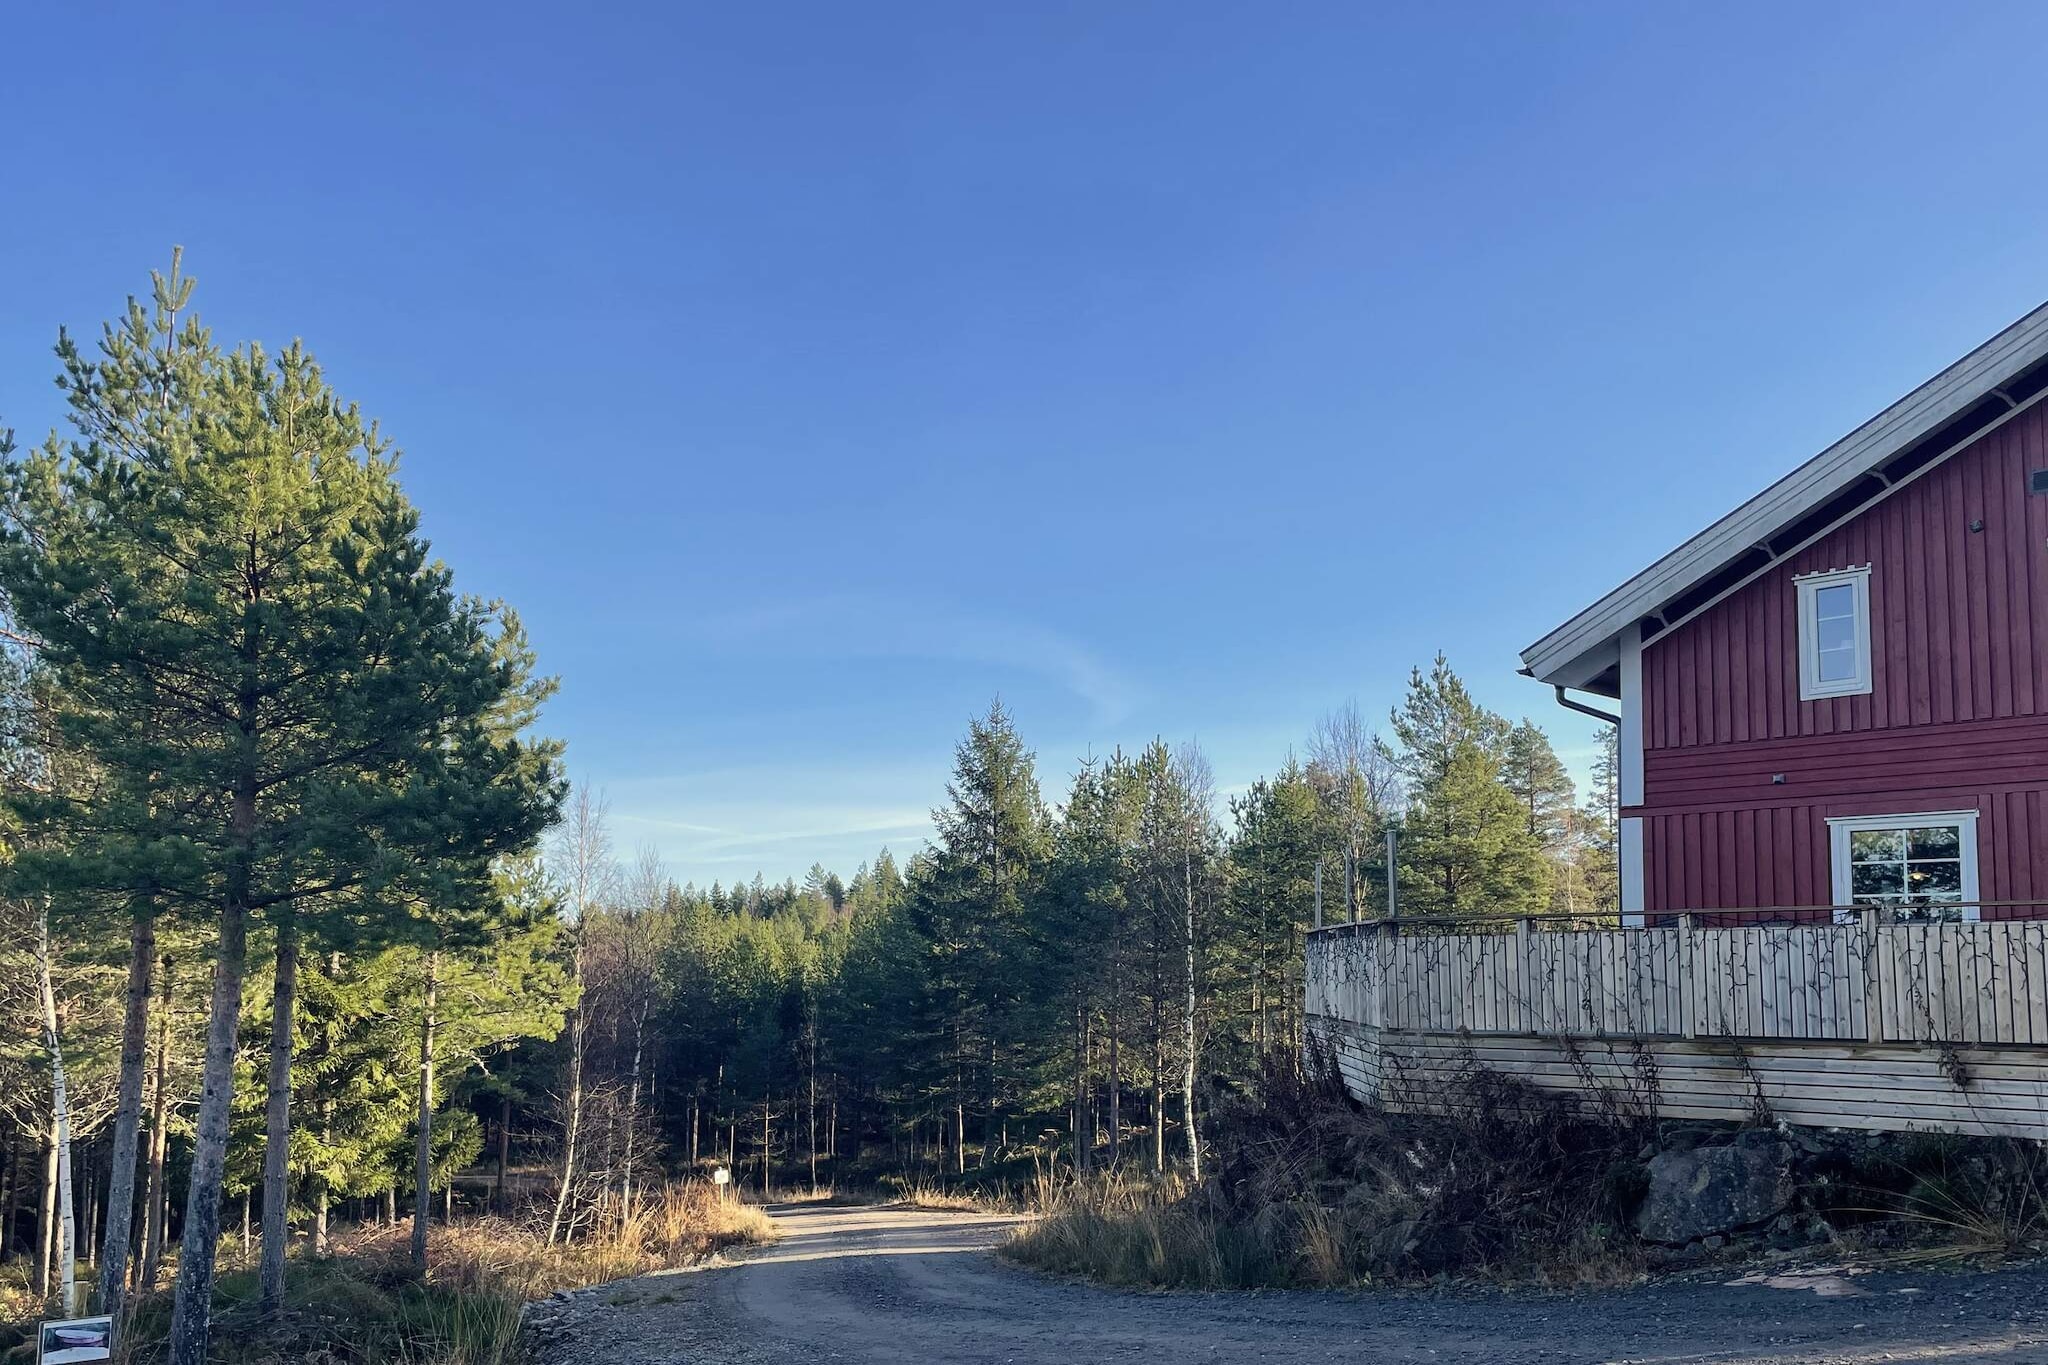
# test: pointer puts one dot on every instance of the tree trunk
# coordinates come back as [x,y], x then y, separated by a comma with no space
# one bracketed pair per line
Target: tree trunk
[156,1199]
[191,1314]
[633,1110]
[277,1114]
[1116,1097]
[572,1121]
[695,1124]
[92,1205]
[423,1144]
[767,1141]
[1188,1030]
[1083,1138]
[10,1199]
[321,1198]
[498,1200]
[46,1220]
[64,1227]
[128,1113]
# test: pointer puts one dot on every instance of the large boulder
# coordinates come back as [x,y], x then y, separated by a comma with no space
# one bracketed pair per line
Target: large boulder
[1710,1190]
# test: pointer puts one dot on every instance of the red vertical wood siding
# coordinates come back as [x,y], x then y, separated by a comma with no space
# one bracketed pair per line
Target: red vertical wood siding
[1956,719]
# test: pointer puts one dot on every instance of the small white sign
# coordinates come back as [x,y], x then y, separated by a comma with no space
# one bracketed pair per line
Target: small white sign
[721,1176]
[79,1339]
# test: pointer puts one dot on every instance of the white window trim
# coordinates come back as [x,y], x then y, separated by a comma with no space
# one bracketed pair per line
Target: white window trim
[1840,827]
[1811,688]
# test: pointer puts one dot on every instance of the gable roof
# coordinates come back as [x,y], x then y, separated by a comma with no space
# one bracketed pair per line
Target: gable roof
[1990,385]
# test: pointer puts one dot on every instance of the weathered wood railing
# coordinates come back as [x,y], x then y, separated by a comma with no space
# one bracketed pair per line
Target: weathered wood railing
[1729,1000]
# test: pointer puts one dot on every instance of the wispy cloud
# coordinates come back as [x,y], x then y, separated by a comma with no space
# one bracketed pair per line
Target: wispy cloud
[864,627]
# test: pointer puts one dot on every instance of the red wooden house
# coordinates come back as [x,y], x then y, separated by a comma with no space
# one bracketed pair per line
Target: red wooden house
[1837,694]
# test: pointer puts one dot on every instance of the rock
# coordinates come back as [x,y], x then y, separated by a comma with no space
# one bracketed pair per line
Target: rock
[1709,1190]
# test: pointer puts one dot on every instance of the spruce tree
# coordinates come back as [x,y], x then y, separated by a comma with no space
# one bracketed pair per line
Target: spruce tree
[985,874]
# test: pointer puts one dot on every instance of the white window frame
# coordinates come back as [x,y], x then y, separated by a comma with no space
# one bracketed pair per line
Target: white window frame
[1811,688]
[1840,828]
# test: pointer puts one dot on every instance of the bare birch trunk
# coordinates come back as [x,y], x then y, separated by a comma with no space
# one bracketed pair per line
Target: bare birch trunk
[46,1220]
[633,1109]
[64,1228]
[572,1122]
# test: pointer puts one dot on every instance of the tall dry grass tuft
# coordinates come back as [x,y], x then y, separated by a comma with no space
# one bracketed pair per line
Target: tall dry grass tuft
[674,1225]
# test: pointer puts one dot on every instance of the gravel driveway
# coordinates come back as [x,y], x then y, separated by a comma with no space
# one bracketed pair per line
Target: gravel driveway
[886,1284]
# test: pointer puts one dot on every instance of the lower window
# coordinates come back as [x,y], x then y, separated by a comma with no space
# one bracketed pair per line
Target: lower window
[1920,867]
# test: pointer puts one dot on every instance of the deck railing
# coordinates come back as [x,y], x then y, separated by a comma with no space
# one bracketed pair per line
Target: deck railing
[1771,974]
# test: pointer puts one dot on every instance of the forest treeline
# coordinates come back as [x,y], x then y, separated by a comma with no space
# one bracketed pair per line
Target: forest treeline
[1069,980]
[302,921]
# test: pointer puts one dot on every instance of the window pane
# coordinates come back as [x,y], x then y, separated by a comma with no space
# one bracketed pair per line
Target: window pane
[1836,632]
[1928,914]
[1877,879]
[1934,879]
[1837,665]
[1938,841]
[1837,602]
[1866,845]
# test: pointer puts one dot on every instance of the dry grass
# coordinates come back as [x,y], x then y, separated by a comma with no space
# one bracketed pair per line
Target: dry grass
[366,1305]
[677,1225]
[921,1194]
[1308,1191]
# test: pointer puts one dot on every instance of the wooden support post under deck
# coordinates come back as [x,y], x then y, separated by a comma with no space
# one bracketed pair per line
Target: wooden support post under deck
[1523,928]
[1690,1024]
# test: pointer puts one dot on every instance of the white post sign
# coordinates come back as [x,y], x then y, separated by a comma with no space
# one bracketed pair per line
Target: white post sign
[76,1341]
[721,1177]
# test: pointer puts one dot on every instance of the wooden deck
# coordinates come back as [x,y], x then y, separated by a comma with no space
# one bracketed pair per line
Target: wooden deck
[1864,1025]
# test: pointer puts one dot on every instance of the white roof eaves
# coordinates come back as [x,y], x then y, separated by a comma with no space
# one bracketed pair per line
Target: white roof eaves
[1805,488]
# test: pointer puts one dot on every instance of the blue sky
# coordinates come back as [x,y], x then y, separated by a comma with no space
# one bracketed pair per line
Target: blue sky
[809,374]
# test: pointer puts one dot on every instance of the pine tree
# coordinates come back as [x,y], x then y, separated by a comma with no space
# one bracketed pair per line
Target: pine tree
[1538,778]
[241,603]
[1466,845]
[1599,850]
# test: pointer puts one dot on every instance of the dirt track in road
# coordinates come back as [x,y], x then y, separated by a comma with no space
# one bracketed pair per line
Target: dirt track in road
[895,1285]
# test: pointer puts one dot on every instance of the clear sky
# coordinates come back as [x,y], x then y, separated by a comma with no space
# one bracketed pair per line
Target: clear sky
[809,374]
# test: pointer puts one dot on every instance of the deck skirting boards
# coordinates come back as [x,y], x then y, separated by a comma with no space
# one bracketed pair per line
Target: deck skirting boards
[1966,1089]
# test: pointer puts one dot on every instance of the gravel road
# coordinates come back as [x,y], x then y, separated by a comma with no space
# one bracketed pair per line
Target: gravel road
[893,1285]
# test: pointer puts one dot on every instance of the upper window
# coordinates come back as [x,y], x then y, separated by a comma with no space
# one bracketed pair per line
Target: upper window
[1921,867]
[1834,633]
